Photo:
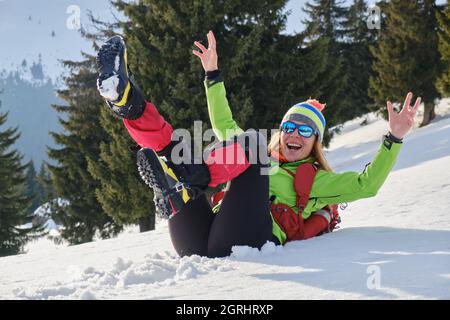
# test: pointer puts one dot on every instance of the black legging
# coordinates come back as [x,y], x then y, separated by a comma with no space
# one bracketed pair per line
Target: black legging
[243,219]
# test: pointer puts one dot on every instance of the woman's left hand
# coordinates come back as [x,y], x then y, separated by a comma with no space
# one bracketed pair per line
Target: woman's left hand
[401,123]
[208,56]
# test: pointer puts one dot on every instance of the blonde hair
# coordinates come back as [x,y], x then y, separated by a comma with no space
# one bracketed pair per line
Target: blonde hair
[317,152]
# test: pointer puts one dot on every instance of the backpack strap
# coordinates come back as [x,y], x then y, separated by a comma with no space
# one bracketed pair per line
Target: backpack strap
[303,181]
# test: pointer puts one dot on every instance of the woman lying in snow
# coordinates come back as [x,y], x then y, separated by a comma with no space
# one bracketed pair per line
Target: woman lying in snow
[288,193]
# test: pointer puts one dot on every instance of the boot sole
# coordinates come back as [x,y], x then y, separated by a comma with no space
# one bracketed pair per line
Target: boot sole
[152,173]
[109,66]
[106,58]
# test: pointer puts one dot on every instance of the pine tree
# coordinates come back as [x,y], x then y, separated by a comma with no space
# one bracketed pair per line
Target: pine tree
[14,203]
[325,22]
[44,179]
[122,194]
[76,207]
[443,82]
[32,187]
[253,56]
[357,59]
[406,55]
[325,19]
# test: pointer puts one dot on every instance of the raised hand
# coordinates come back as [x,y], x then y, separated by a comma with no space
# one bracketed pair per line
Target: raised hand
[401,123]
[208,56]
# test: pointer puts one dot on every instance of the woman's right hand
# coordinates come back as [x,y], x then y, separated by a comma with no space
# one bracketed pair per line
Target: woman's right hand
[208,56]
[401,123]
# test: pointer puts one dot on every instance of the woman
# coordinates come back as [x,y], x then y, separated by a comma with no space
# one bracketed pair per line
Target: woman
[293,202]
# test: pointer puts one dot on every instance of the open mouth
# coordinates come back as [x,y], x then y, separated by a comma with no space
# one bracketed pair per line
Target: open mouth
[294,146]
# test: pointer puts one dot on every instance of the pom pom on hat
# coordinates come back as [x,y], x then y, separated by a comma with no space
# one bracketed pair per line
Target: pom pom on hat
[316,104]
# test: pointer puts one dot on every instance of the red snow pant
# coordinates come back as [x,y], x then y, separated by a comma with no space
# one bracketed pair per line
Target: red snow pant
[152,131]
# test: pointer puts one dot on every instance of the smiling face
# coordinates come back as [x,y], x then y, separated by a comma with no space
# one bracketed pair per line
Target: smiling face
[295,147]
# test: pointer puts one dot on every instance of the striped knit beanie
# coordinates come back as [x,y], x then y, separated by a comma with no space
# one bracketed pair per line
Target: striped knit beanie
[309,112]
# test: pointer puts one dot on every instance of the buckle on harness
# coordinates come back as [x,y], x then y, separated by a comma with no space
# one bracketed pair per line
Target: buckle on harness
[179,186]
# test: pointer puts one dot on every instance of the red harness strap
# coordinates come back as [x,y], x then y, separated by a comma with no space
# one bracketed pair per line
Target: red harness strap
[303,181]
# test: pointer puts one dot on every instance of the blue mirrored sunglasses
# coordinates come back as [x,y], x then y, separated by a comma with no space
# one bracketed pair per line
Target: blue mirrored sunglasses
[303,129]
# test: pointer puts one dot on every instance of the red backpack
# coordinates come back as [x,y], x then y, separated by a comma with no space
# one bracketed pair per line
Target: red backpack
[293,225]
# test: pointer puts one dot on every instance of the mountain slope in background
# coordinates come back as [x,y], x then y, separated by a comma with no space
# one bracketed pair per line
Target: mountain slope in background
[27,95]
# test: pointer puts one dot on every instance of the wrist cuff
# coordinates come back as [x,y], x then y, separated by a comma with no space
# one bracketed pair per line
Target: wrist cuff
[212,75]
[393,138]
[212,78]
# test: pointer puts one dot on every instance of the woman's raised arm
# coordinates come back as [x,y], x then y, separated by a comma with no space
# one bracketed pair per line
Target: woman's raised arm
[219,111]
[331,187]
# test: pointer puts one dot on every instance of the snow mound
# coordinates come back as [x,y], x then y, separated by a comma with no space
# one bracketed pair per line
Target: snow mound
[246,252]
[155,271]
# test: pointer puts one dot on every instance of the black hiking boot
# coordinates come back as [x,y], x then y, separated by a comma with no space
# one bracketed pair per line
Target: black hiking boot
[115,82]
[170,193]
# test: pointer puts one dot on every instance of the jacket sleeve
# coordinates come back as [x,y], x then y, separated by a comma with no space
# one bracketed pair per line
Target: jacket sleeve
[331,188]
[220,115]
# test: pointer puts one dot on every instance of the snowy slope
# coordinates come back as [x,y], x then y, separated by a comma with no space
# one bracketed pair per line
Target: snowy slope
[396,245]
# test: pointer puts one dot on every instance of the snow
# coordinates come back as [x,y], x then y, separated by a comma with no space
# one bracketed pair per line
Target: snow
[393,246]
[108,88]
[117,63]
[44,212]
